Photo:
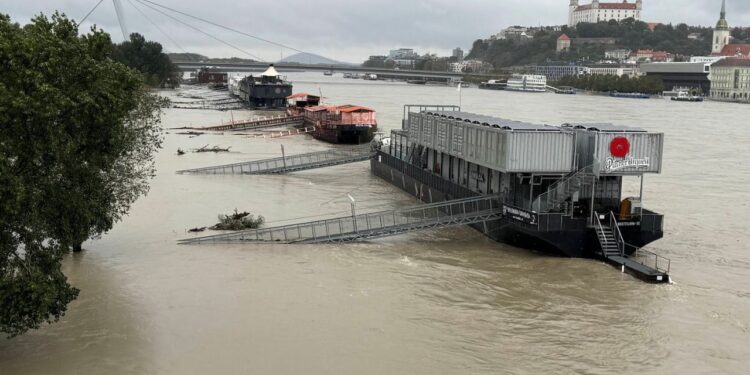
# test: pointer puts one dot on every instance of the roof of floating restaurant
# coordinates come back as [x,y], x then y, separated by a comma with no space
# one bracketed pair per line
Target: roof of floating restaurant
[606,128]
[302,95]
[493,121]
[270,72]
[348,108]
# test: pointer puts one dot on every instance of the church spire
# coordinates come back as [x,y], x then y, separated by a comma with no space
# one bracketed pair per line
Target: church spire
[723,24]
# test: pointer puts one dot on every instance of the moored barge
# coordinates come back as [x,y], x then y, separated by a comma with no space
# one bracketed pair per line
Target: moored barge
[561,187]
[267,91]
[347,124]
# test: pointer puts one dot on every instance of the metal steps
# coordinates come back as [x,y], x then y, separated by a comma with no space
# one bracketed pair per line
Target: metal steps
[562,190]
[293,163]
[372,225]
[642,264]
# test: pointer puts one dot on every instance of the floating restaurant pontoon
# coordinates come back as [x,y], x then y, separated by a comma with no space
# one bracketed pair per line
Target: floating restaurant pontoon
[551,188]
[560,187]
[268,91]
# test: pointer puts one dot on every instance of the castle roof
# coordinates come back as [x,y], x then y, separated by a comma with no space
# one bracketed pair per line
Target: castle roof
[617,6]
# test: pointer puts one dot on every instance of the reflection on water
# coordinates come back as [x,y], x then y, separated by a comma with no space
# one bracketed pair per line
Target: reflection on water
[448,301]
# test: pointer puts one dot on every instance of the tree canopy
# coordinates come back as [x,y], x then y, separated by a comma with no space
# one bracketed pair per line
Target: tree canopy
[78,134]
[606,83]
[147,57]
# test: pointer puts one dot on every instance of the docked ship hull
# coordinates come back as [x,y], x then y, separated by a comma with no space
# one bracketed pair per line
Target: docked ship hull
[574,239]
[346,134]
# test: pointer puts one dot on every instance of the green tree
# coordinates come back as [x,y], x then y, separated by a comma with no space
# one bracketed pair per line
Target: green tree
[78,134]
[147,57]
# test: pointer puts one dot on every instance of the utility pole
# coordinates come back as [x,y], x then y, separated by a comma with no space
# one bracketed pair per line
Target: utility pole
[354,211]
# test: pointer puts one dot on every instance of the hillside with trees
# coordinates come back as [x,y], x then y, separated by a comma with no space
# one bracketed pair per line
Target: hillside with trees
[629,34]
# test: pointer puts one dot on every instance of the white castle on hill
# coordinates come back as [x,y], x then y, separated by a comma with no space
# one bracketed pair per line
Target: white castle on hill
[601,11]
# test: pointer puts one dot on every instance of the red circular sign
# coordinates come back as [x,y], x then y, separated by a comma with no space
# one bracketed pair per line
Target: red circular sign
[620,147]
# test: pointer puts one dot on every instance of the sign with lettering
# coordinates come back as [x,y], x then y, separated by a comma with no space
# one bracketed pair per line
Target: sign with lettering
[520,215]
[614,164]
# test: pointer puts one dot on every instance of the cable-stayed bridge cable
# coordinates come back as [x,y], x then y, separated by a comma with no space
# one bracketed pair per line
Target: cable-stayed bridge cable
[91,11]
[226,27]
[156,26]
[200,31]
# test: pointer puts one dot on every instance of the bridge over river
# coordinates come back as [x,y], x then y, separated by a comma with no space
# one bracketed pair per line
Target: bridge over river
[380,72]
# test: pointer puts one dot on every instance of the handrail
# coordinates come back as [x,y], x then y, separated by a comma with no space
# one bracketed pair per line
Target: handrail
[365,222]
[601,230]
[560,187]
[648,254]
[618,234]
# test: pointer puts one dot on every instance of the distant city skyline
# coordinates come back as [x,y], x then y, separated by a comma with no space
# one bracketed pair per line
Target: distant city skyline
[349,31]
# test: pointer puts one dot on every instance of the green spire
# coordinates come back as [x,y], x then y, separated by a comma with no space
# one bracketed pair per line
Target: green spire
[723,24]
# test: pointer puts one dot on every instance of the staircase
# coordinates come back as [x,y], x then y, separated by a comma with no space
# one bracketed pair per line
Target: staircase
[559,192]
[608,242]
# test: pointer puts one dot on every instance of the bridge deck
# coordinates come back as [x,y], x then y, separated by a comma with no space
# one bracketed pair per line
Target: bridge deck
[372,225]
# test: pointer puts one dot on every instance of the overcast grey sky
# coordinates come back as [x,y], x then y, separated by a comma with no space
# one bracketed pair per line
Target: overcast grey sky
[351,30]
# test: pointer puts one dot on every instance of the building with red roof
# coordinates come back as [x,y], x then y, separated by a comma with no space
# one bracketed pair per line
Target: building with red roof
[735,50]
[600,11]
[563,43]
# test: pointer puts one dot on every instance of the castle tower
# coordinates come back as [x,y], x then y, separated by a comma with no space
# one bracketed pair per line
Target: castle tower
[571,10]
[721,32]
[639,4]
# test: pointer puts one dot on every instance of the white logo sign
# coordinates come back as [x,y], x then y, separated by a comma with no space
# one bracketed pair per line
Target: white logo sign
[629,162]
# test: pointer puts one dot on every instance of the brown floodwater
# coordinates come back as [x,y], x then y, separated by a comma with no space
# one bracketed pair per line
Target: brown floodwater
[437,302]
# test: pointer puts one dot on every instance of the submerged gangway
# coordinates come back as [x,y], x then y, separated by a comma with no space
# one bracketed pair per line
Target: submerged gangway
[292,163]
[378,224]
[255,123]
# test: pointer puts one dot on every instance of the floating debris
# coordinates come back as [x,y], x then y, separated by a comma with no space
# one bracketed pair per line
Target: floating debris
[197,230]
[180,152]
[238,221]
[212,149]
[195,134]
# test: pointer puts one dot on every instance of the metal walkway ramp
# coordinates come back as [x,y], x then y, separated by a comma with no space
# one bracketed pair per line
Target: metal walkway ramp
[372,225]
[291,163]
[252,124]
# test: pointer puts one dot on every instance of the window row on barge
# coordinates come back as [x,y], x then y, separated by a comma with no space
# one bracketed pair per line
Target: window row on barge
[561,186]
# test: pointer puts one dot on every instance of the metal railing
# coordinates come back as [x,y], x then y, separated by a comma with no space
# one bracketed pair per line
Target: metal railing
[619,241]
[650,259]
[562,190]
[290,163]
[600,233]
[378,224]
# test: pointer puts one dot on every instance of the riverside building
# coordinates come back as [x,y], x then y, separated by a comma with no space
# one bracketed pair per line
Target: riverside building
[730,80]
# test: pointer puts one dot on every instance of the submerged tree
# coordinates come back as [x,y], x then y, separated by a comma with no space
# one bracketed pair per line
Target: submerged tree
[78,135]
